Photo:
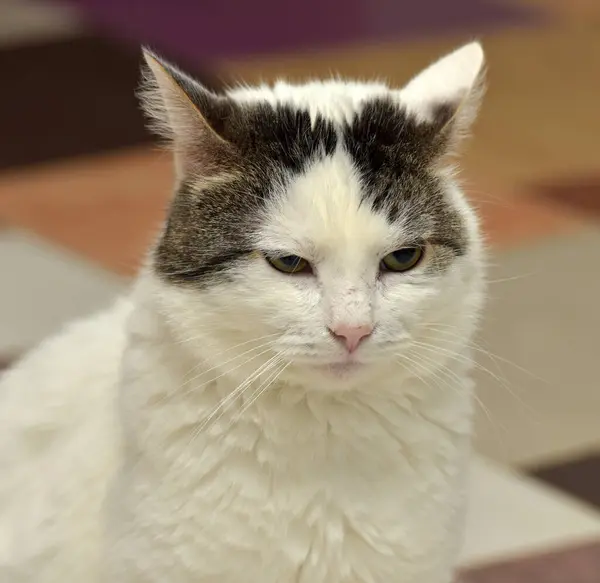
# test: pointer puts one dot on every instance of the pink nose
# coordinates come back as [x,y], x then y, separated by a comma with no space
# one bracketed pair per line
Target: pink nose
[351,335]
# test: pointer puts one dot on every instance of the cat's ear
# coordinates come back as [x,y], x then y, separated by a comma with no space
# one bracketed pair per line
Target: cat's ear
[446,96]
[189,116]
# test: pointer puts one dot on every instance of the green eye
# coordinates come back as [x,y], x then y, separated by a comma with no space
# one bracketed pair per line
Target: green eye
[291,264]
[402,259]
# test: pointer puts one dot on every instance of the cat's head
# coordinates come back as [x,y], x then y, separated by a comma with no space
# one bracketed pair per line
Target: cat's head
[316,230]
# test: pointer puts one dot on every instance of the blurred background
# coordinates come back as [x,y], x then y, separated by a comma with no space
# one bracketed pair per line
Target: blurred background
[83,189]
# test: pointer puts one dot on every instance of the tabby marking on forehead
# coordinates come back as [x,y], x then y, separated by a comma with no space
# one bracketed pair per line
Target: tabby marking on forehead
[212,225]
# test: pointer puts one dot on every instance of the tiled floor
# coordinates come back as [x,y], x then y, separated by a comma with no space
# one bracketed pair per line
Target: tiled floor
[512,515]
[47,287]
[543,322]
[78,203]
[82,194]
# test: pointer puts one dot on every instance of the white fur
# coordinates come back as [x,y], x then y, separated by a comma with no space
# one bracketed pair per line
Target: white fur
[324,477]
[451,79]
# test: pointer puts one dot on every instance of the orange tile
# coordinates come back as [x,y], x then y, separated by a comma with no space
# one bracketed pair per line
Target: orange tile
[107,208]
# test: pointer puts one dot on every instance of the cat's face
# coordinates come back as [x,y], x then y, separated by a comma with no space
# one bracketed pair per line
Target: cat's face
[314,231]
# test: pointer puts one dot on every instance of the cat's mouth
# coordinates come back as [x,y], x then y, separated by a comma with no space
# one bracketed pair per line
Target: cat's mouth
[342,368]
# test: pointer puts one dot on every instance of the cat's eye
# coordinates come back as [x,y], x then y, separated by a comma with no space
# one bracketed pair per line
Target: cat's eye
[402,260]
[291,264]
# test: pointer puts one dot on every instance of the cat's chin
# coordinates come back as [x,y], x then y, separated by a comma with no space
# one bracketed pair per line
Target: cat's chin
[337,375]
[338,367]
[341,369]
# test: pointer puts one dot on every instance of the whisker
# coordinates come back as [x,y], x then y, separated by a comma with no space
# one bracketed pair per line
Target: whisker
[216,366]
[441,385]
[225,404]
[486,352]
[512,278]
[452,355]
[216,327]
[195,388]
[256,395]
[235,347]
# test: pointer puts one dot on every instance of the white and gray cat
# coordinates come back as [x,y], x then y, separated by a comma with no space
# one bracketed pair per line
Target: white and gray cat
[284,394]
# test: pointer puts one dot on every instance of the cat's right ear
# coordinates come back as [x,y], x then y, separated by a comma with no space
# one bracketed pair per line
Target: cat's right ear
[189,116]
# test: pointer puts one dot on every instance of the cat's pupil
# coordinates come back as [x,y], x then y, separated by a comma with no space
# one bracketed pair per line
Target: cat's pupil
[405,255]
[290,260]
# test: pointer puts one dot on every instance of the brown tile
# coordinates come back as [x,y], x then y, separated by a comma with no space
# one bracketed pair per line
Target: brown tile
[69,97]
[509,220]
[5,362]
[579,477]
[580,194]
[106,208]
[576,565]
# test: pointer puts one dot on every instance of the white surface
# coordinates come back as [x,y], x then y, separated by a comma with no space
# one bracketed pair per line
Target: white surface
[543,322]
[31,20]
[42,286]
[512,515]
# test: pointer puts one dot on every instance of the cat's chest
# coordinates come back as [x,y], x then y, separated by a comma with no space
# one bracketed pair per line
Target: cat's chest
[306,493]
[351,469]
[309,504]
[338,453]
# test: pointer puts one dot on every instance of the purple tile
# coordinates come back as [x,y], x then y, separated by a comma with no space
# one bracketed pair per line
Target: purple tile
[225,28]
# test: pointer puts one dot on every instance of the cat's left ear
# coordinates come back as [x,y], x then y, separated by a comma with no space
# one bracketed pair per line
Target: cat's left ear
[445,97]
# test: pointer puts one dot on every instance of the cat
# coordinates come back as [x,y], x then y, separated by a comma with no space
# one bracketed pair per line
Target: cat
[284,394]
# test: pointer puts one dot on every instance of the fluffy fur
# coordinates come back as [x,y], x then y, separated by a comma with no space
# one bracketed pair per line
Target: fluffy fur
[209,428]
